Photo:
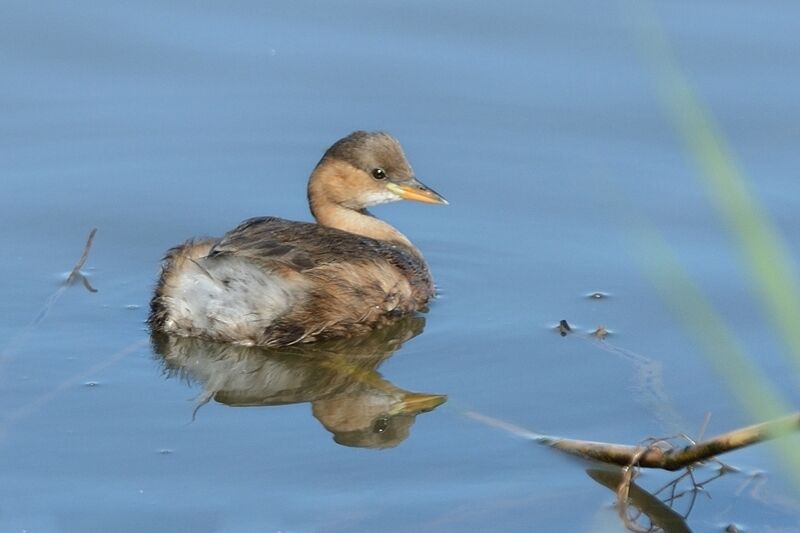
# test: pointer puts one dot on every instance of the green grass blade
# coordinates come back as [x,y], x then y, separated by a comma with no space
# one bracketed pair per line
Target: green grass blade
[761,246]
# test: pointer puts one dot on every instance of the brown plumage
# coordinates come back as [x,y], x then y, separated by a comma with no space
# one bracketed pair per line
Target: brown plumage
[276,282]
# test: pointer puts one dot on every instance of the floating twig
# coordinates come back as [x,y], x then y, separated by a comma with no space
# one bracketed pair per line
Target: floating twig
[661,454]
[655,453]
[76,273]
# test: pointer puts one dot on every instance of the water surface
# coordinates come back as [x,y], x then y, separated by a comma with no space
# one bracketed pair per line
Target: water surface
[541,124]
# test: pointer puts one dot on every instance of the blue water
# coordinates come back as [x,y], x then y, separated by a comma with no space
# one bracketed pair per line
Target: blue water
[543,126]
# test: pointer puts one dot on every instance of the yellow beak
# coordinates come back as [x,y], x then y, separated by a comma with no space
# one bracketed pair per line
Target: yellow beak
[414,190]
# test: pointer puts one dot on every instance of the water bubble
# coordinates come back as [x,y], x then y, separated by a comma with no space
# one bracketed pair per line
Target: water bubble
[598,295]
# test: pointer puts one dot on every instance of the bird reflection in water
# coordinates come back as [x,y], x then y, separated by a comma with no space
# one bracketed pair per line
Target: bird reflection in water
[340,379]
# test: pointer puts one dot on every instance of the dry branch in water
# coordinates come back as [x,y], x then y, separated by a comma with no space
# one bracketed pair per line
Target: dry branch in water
[76,273]
[662,454]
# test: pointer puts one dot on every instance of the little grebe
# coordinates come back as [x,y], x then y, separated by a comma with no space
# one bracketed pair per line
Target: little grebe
[276,282]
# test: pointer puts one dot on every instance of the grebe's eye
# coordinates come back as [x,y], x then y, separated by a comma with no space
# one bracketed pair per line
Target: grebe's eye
[379,174]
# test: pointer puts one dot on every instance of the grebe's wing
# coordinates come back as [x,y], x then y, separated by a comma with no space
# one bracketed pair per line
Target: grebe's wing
[301,245]
[263,240]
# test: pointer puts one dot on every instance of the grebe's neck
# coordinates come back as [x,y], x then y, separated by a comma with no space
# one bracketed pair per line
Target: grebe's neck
[328,212]
[358,222]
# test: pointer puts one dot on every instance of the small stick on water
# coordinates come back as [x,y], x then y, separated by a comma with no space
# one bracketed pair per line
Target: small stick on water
[76,273]
[660,454]
[657,453]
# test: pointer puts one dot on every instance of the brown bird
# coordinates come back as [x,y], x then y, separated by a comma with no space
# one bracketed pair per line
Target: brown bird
[276,282]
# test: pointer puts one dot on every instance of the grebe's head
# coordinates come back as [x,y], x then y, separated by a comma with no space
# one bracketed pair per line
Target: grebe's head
[365,169]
